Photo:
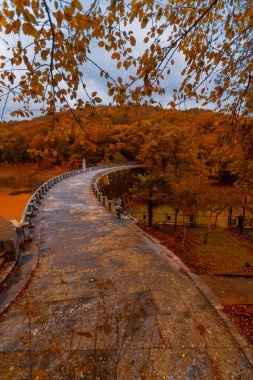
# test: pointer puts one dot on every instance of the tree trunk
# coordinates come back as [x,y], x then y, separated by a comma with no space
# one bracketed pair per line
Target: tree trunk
[184,235]
[208,232]
[243,216]
[206,236]
[230,216]
[150,212]
[175,225]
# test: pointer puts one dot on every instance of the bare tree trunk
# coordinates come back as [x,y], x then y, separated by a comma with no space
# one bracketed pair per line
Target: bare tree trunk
[175,225]
[218,214]
[184,235]
[150,212]
[208,231]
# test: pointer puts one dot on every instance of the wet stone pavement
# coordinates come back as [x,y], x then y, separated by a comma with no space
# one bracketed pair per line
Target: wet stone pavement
[106,303]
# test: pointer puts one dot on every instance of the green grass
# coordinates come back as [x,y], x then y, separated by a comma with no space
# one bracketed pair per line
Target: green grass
[225,252]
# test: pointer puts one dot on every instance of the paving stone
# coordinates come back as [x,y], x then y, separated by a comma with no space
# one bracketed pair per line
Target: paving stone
[15,365]
[179,330]
[14,337]
[230,363]
[91,365]
[51,363]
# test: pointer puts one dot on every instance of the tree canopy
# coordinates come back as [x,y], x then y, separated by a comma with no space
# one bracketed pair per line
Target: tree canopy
[47,45]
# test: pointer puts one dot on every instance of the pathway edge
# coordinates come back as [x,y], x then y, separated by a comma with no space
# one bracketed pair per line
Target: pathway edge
[205,290]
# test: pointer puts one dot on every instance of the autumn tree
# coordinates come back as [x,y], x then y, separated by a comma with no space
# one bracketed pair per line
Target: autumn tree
[49,44]
[172,150]
[212,201]
[184,198]
[150,189]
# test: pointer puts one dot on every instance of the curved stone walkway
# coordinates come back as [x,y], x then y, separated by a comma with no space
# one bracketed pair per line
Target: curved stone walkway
[105,302]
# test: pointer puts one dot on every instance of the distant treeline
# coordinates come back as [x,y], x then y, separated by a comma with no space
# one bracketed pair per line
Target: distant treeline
[165,140]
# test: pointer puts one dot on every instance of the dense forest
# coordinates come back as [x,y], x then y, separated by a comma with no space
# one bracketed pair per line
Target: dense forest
[179,143]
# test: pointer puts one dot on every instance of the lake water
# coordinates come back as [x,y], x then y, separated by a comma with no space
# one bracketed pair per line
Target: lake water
[12,206]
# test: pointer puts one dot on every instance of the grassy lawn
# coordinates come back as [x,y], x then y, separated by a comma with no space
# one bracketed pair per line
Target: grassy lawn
[242,317]
[226,252]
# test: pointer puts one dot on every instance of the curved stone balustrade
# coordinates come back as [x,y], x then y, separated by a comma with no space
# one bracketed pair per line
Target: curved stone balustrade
[9,248]
[108,203]
[25,227]
[26,224]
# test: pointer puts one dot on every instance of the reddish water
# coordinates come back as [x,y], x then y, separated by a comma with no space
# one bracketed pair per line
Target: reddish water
[12,206]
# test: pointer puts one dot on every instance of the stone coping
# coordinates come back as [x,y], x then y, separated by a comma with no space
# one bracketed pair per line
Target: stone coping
[7,229]
[108,203]
[26,223]
[202,287]
[41,191]
[9,249]
[200,283]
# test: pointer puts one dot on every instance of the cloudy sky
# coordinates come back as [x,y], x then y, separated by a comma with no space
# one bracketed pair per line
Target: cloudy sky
[92,77]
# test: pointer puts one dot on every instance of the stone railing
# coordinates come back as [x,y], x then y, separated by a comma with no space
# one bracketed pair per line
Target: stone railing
[26,223]
[111,205]
[9,248]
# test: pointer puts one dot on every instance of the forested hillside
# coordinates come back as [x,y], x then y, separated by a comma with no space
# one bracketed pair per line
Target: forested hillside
[175,142]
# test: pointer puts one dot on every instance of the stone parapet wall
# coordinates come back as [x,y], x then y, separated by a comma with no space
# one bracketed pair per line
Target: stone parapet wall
[9,248]
[109,203]
[26,222]
[22,231]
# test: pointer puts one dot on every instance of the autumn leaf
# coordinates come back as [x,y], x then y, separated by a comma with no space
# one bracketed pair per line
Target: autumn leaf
[213,43]
[29,30]
[77,4]
[116,56]
[132,41]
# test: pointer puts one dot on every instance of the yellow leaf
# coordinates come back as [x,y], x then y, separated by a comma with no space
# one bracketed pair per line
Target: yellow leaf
[44,54]
[77,5]
[8,29]
[132,41]
[16,26]
[29,30]
[144,23]
[115,56]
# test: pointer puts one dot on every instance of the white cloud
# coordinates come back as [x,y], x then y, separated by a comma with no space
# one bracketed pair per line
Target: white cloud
[92,78]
